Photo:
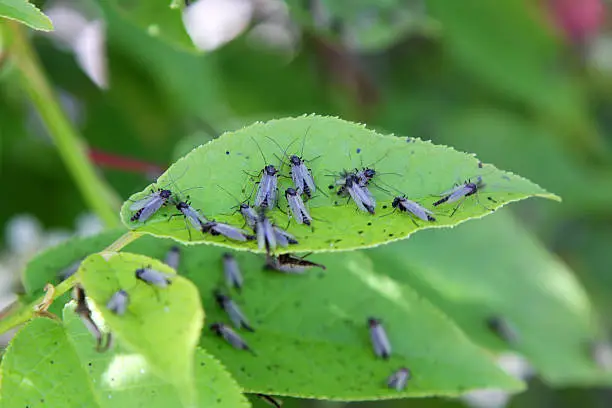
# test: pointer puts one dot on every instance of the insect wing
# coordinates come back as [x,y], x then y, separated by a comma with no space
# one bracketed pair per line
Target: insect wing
[236,315]
[143,202]
[356,196]
[231,232]
[233,277]
[399,379]
[195,218]
[151,208]
[173,257]
[417,210]
[153,277]
[266,237]
[266,194]
[249,215]
[283,238]
[118,302]
[380,341]
[296,205]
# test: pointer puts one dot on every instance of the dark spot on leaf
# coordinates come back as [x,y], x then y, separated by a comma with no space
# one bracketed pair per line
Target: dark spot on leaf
[384,207]
[297,303]
[369,224]
[242,369]
[391,234]
[52,362]
[335,203]
[330,187]
[321,275]
[202,363]
[360,232]
[338,240]
[219,400]
[89,364]
[227,152]
[358,150]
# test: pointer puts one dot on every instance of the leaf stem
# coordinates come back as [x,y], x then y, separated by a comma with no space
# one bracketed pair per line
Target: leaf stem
[97,194]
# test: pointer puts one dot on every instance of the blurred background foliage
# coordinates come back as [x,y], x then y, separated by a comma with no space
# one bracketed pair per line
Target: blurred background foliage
[525,84]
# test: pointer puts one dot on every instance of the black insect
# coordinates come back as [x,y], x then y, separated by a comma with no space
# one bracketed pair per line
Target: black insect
[230,336]
[69,271]
[153,277]
[149,205]
[118,302]
[297,207]
[503,328]
[460,192]
[288,263]
[233,277]
[233,311]
[360,195]
[399,379]
[228,231]
[173,257]
[103,342]
[378,336]
[401,203]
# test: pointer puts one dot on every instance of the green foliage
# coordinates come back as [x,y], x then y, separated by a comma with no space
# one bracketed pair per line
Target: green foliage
[529,288]
[303,323]
[26,13]
[413,167]
[161,324]
[158,18]
[62,369]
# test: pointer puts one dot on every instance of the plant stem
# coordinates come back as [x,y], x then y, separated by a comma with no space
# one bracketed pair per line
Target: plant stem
[100,198]
[26,312]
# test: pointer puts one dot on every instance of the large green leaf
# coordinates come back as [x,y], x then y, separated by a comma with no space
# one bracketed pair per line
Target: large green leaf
[26,13]
[417,168]
[159,18]
[51,365]
[494,267]
[162,324]
[311,337]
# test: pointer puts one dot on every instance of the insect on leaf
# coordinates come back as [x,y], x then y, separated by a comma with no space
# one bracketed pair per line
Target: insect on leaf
[418,169]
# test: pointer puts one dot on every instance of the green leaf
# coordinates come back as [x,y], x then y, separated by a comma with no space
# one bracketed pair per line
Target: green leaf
[26,13]
[311,338]
[162,324]
[159,18]
[47,266]
[494,267]
[417,168]
[45,350]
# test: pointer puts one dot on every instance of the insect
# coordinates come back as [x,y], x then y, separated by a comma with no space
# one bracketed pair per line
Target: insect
[269,235]
[503,328]
[233,311]
[118,302]
[249,215]
[399,379]
[85,314]
[460,192]
[233,277]
[380,341]
[410,207]
[268,184]
[69,271]
[153,277]
[297,207]
[301,176]
[173,257]
[360,195]
[228,231]
[149,205]
[195,218]
[288,263]
[270,400]
[230,336]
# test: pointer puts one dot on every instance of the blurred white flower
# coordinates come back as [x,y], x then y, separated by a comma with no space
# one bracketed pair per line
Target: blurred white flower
[512,363]
[212,23]
[84,34]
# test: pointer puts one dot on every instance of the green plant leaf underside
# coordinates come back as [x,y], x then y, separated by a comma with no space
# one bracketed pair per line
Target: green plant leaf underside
[26,13]
[520,282]
[419,169]
[311,338]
